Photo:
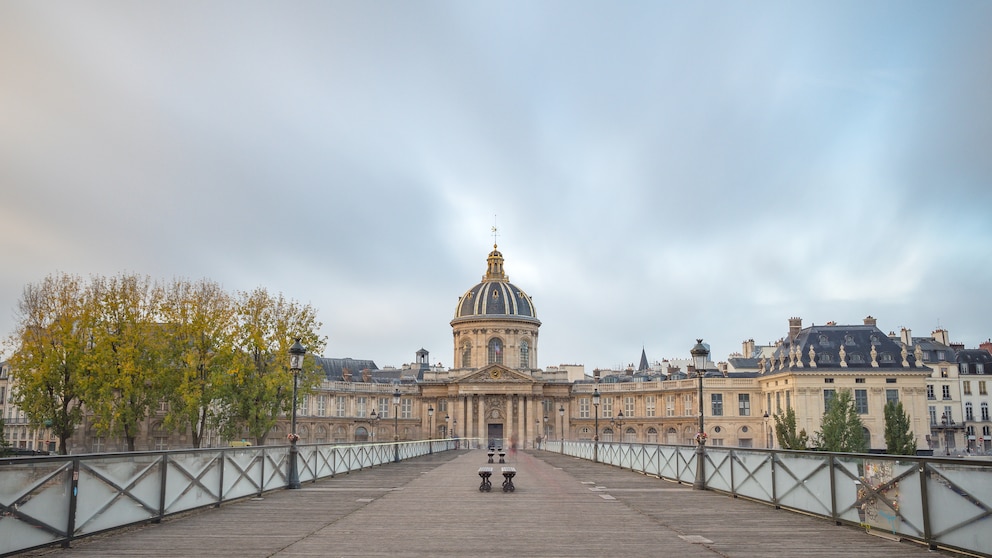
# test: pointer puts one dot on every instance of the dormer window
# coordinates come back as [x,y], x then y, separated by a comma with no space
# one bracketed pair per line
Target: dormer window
[855,358]
[886,357]
[940,355]
[849,340]
[824,358]
[874,340]
[824,341]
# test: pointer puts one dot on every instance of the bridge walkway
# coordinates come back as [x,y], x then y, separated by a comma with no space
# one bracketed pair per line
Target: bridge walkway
[431,506]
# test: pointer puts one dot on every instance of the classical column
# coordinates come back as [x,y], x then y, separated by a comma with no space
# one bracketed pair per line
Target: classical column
[481,419]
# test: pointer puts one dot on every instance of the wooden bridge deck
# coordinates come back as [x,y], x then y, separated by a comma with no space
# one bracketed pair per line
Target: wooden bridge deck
[431,506]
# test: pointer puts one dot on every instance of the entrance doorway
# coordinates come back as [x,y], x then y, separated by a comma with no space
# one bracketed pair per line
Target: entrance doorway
[495,435]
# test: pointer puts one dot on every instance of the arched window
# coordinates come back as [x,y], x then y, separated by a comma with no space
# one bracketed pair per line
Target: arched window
[467,355]
[361,434]
[652,436]
[969,411]
[867,434]
[630,436]
[524,355]
[607,434]
[495,351]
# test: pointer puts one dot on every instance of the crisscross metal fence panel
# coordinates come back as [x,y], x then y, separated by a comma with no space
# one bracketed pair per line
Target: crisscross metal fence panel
[52,500]
[941,502]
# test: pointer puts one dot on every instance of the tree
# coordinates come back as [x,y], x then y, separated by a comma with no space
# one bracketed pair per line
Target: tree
[258,388]
[126,380]
[200,318]
[4,444]
[785,431]
[899,440]
[841,427]
[53,338]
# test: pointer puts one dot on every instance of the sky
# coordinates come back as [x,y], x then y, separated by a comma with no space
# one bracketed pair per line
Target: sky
[657,171]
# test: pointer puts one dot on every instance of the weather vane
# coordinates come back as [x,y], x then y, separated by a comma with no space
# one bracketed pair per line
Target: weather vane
[495,233]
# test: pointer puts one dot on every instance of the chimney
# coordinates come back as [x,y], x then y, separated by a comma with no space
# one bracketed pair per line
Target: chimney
[748,348]
[906,336]
[870,321]
[795,326]
[940,336]
[986,345]
[366,375]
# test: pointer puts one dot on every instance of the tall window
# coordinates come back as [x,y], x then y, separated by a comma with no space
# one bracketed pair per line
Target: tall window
[778,401]
[467,355]
[981,388]
[607,407]
[949,414]
[341,405]
[321,405]
[628,406]
[716,404]
[524,355]
[788,400]
[828,396]
[930,394]
[966,385]
[670,406]
[969,411]
[933,414]
[649,403]
[406,407]
[584,407]
[384,407]
[688,404]
[362,402]
[495,351]
[945,392]
[861,401]
[891,396]
[744,404]
[985,411]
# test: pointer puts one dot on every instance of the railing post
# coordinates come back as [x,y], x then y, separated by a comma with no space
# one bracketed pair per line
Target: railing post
[220,483]
[70,527]
[774,482]
[163,474]
[833,491]
[925,502]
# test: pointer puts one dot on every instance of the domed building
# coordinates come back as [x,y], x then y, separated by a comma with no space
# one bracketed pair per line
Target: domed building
[495,392]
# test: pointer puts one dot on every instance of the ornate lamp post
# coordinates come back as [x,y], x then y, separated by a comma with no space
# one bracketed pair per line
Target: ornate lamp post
[699,357]
[396,425]
[430,429]
[455,431]
[296,354]
[546,435]
[561,416]
[595,437]
[373,420]
[617,423]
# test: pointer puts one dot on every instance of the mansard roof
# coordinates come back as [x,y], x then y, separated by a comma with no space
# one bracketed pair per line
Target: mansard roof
[335,368]
[861,348]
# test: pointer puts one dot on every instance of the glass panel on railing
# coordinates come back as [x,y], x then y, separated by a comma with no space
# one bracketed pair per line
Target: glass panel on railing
[192,481]
[118,491]
[959,496]
[802,482]
[36,493]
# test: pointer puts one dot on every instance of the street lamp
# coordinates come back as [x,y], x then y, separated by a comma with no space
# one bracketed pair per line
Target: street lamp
[296,354]
[396,425]
[561,415]
[430,429]
[699,356]
[595,437]
[768,433]
[537,434]
[617,423]
[546,432]
[373,420]
[455,431]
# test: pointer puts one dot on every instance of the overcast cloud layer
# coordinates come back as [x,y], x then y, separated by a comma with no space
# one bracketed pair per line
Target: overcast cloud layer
[657,171]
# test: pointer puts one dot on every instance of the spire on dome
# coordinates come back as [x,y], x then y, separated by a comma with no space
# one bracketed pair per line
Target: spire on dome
[644,362]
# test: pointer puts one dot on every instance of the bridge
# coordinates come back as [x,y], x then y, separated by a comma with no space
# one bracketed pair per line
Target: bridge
[422,499]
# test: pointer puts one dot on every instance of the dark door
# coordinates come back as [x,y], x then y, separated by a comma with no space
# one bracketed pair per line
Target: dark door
[495,435]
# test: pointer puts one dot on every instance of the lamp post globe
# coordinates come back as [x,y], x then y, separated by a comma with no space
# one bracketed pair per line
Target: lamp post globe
[700,355]
[296,354]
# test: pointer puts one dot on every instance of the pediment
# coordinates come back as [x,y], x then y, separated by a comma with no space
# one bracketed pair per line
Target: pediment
[496,373]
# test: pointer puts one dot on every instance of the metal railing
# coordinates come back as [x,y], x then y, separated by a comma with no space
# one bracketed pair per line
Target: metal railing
[940,502]
[45,501]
